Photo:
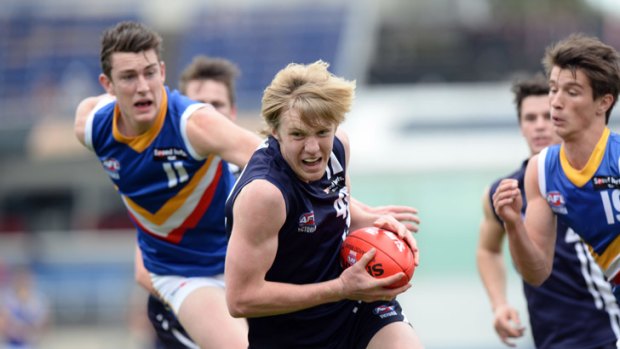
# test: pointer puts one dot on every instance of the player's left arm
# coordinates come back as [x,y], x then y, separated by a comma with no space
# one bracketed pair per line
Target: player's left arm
[532,243]
[405,214]
[361,217]
[210,132]
[490,262]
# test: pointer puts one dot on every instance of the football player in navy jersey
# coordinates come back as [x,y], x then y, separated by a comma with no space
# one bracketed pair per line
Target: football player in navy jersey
[287,216]
[575,182]
[576,288]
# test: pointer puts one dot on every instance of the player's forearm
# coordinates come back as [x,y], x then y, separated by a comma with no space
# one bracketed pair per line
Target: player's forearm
[493,276]
[361,218]
[273,298]
[529,260]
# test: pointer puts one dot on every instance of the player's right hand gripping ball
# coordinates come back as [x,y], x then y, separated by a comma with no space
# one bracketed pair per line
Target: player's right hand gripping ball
[393,254]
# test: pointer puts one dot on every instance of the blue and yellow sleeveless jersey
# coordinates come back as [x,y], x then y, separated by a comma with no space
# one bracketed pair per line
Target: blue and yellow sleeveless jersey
[587,200]
[174,196]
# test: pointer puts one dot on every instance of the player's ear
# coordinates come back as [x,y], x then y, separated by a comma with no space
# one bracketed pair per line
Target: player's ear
[162,67]
[605,103]
[106,83]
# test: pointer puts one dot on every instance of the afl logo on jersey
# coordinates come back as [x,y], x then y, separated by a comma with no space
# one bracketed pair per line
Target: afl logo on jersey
[556,202]
[306,223]
[112,167]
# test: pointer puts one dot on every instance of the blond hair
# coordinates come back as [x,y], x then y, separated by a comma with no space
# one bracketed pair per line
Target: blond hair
[316,94]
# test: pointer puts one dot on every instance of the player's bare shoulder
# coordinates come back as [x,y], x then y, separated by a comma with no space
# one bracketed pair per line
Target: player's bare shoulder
[532,184]
[85,108]
[269,193]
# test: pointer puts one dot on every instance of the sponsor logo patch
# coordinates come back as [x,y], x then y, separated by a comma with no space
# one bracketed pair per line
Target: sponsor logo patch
[384,311]
[605,182]
[169,154]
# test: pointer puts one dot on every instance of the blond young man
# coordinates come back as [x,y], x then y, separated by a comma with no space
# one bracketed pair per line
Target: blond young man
[287,216]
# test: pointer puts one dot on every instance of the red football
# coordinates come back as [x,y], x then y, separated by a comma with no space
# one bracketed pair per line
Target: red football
[393,254]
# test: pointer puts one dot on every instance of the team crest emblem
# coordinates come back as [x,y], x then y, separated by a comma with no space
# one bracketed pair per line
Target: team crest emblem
[112,167]
[556,202]
[306,223]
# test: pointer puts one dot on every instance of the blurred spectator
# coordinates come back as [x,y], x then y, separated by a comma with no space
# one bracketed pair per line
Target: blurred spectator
[24,312]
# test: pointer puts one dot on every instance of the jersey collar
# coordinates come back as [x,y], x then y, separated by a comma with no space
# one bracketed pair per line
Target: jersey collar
[140,142]
[581,177]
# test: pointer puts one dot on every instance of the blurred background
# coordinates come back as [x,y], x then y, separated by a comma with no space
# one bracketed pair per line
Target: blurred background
[432,125]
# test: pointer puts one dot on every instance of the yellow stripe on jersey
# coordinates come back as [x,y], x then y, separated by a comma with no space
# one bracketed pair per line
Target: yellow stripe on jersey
[581,177]
[609,259]
[173,204]
[140,142]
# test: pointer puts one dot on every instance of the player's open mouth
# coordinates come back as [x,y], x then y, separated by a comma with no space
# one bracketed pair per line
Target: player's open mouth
[311,162]
[143,104]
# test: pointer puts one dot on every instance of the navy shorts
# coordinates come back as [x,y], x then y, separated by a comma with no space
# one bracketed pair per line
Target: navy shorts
[170,333]
[342,325]
[372,317]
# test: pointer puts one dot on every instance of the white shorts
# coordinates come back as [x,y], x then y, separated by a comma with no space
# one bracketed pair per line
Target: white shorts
[174,289]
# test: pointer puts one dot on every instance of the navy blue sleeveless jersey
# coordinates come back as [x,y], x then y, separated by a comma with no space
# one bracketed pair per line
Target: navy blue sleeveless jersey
[574,307]
[308,252]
